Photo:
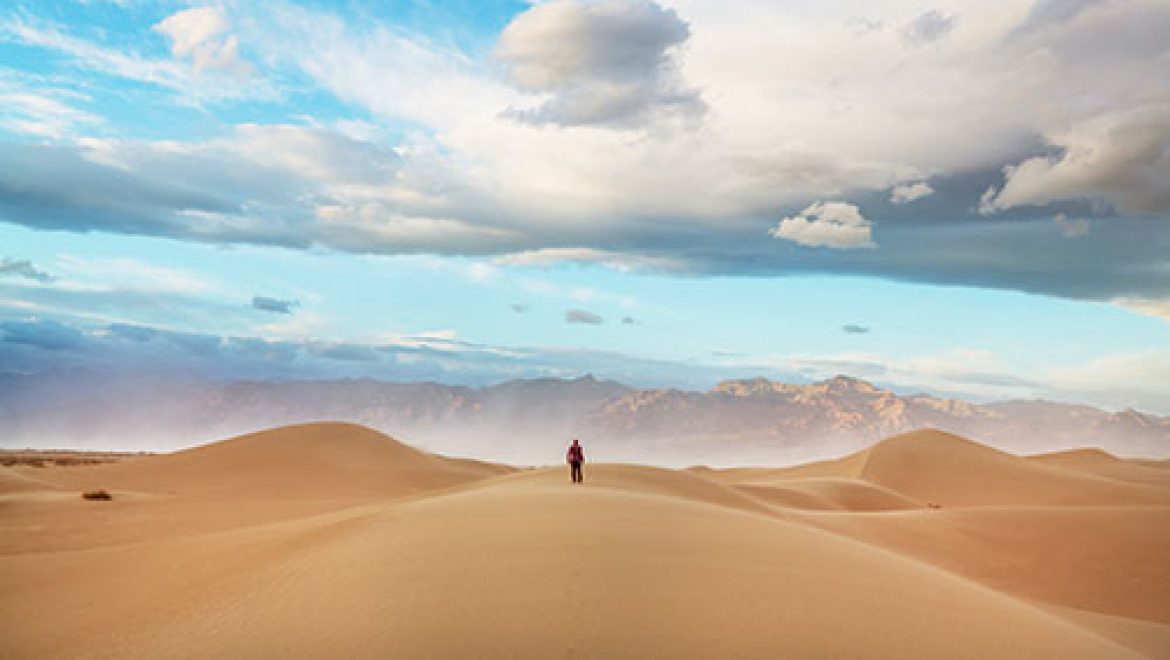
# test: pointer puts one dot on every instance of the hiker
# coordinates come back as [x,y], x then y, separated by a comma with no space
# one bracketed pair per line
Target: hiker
[575,456]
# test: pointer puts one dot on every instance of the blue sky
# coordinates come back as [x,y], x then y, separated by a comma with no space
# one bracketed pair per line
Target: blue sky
[664,193]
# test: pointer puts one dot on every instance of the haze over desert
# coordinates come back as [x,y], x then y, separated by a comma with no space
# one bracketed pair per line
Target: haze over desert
[332,540]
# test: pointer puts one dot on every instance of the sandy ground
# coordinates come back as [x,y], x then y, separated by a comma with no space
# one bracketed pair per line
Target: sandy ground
[331,540]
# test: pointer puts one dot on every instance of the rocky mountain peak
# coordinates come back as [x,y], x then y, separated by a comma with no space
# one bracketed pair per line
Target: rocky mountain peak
[847,384]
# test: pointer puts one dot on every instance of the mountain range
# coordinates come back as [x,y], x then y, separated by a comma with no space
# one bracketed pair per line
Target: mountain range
[755,421]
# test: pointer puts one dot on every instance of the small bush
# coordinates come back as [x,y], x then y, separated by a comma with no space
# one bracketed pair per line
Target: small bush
[97,495]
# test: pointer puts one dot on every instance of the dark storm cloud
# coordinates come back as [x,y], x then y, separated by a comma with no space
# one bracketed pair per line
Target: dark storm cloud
[943,239]
[939,239]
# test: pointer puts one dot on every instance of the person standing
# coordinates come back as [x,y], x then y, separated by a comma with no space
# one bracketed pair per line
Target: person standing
[575,456]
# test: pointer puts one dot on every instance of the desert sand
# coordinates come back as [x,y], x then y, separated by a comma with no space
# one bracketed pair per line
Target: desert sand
[331,540]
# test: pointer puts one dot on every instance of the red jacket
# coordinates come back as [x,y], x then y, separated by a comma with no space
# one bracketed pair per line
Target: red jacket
[576,454]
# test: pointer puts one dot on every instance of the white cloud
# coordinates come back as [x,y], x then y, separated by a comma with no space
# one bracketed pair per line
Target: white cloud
[970,372]
[1071,227]
[199,34]
[361,226]
[394,73]
[618,261]
[827,224]
[1138,379]
[35,107]
[606,63]
[168,74]
[1121,157]
[126,273]
[1133,379]
[904,193]
[313,153]
[846,120]
[1157,307]
[300,326]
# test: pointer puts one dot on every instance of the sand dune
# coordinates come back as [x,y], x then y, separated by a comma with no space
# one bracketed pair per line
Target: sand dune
[262,477]
[305,461]
[335,541]
[1104,464]
[1104,559]
[941,468]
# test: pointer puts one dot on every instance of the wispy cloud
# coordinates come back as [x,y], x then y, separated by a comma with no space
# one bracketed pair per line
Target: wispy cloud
[88,273]
[174,75]
[45,334]
[274,305]
[24,268]
[1071,227]
[582,317]
[33,106]
[618,261]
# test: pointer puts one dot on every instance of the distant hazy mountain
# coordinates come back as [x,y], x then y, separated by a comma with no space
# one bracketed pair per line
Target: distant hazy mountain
[528,421]
[764,421]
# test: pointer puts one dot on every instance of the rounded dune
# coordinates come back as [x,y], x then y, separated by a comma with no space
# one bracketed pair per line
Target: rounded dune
[945,469]
[1101,463]
[325,460]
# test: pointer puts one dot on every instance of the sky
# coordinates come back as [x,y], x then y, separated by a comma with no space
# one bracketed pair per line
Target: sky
[967,199]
